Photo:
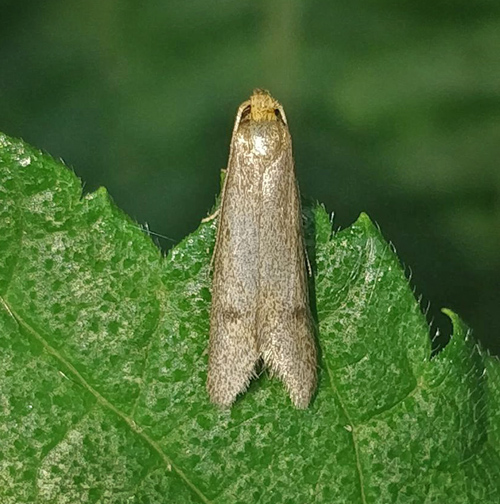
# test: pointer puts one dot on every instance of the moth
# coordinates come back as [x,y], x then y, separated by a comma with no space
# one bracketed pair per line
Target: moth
[260,304]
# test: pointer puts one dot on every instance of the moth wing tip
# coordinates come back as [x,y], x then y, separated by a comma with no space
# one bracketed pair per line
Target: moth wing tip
[299,380]
[303,399]
[225,396]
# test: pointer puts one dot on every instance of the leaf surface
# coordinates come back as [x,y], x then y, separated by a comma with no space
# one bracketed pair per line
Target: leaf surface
[103,367]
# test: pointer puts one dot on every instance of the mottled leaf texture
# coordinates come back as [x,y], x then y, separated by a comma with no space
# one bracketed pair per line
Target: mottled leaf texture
[103,366]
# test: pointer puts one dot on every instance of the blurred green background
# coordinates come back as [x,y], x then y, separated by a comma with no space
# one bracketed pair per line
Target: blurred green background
[394,109]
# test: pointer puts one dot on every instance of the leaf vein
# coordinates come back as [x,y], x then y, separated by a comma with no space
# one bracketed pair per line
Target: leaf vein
[105,403]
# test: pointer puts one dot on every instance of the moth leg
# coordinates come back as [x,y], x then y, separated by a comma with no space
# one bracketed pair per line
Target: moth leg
[211,217]
[308,263]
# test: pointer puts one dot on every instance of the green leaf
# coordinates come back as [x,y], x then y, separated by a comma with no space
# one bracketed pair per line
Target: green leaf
[103,367]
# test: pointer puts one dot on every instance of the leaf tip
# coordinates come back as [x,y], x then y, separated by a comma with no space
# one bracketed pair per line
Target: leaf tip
[365,221]
[455,319]
[102,192]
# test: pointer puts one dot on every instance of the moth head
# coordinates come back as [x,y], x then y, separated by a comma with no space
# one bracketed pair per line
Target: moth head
[263,107]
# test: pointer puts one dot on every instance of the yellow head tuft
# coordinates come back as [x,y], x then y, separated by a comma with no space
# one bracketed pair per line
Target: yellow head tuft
[263,106]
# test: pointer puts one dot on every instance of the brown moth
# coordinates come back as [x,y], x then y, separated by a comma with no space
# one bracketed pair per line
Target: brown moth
[260,306]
